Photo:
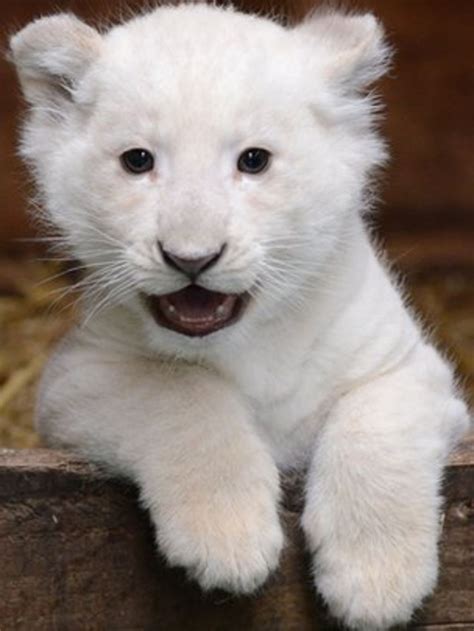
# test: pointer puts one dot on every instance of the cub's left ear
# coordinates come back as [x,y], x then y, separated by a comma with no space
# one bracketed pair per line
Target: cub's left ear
[51,55]
[350,49]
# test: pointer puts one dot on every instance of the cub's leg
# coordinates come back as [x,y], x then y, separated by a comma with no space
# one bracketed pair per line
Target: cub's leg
[372,517]
[183,435]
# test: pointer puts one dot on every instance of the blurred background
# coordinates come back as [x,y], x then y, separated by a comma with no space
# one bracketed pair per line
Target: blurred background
[425,219]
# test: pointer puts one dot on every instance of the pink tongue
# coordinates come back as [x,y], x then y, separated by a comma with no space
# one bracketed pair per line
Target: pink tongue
[193,303]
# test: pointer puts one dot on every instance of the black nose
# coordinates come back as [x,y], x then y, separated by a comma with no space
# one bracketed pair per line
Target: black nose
[191,267]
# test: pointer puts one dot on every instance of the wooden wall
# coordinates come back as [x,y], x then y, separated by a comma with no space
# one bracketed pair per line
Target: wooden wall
[430,101]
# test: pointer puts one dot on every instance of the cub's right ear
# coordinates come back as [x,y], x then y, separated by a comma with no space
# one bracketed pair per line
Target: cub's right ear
[51,55]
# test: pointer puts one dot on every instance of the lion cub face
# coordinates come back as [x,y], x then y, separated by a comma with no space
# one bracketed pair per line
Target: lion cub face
[205,165]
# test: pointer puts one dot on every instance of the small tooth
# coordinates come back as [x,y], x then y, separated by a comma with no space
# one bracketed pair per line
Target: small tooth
[196,320]
[171,309]
[221,310]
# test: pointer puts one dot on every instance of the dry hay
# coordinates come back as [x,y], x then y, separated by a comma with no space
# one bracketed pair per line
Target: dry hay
[32,319]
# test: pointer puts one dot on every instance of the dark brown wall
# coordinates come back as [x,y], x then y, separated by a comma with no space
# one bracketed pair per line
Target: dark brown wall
[430,100]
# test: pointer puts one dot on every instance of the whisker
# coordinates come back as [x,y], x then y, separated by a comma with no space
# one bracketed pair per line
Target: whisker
[109,298]
[70,270]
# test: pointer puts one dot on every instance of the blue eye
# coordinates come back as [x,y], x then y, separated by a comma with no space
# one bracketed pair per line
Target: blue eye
[137,161]
[253,160]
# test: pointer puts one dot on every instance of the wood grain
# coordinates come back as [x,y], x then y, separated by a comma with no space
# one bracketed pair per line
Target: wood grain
[78,555]
[429,105]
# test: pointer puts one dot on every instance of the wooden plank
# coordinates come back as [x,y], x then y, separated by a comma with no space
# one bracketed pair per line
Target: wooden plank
[78,555]
[448,627]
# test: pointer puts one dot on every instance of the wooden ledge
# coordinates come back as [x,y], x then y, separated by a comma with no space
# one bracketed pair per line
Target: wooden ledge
[77,554]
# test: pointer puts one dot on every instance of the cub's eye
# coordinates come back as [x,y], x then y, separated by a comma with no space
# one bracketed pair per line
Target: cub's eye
[137,161]
[253,160]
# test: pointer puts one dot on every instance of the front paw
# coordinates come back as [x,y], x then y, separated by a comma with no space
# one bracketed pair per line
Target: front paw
[226,544]
[373,586]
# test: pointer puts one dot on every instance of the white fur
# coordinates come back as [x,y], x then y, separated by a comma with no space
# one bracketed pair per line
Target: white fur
[326,368]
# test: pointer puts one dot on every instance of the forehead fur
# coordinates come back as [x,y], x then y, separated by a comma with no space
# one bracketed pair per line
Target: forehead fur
[185,50]
[199,24]
[199,29]
[194,63]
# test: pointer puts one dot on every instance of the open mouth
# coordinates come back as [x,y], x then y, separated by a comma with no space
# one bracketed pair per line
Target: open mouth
[196,311]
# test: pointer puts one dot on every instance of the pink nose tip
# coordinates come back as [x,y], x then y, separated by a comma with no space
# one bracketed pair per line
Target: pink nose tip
[191,267]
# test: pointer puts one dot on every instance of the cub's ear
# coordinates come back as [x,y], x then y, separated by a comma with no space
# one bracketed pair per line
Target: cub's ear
[51,55]
[351,49]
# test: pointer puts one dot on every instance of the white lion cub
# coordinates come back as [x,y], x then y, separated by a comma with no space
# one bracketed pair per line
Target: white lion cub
[209,169]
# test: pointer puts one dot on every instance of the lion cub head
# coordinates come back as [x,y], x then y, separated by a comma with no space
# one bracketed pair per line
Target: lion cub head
[205,166]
